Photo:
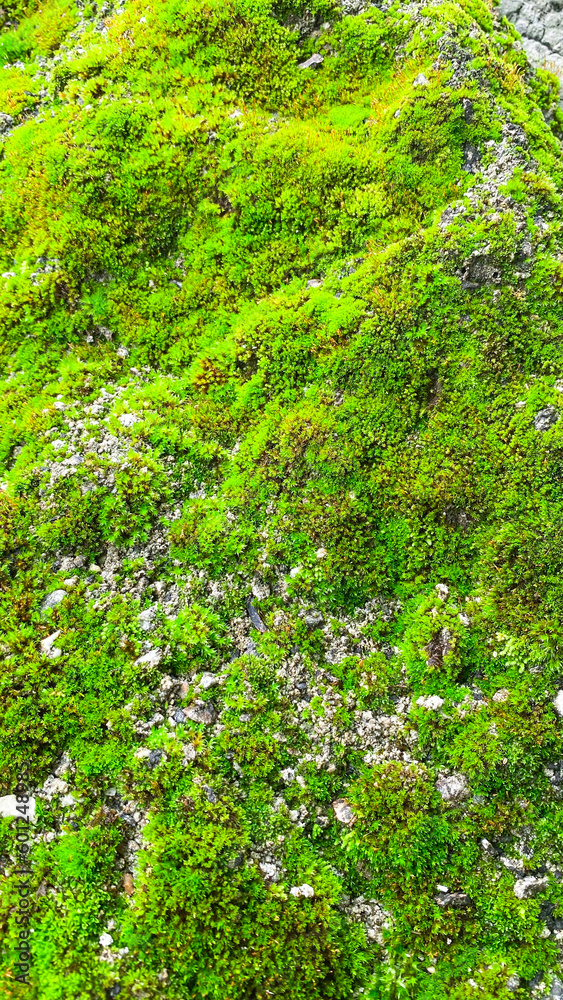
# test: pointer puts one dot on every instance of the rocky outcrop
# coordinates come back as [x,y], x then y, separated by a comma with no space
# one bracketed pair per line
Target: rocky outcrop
[540,22]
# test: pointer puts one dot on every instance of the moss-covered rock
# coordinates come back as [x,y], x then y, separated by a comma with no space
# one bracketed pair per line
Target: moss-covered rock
[281,516]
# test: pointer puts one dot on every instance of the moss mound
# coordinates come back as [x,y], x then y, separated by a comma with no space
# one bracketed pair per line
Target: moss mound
[281,511]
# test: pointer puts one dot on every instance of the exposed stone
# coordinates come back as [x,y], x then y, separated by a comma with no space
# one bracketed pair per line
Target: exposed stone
[529,887]
[153,658]
[260,589]
[503,694]
[314,62]
[255,617]
[453,787]
[201,711]
[147,618]
[53,599]
[546,418]
[48,647]
[155,757]
[270,871]
[128,419]
[430,701]
[54,786]
[208,680]
[302,890]
[453,900]
[344,812]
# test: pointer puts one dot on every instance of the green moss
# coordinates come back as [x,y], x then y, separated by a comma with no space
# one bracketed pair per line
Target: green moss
[293,336]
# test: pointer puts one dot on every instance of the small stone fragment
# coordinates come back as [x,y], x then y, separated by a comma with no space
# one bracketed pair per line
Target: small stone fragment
[151,659]
[344,812]
[53,599]
[201,711]
[48,647]
[304,890]
[208,680]
[558,702]
[128,884]
[502,695]
[255,617]
[287,775]
[454,900]
[147,618]
[128,419]
[269,871]
[421,81]
[430,701]
[260,589]
[546,418]
[314,62]
[453,787]
[529,887]
[155,758]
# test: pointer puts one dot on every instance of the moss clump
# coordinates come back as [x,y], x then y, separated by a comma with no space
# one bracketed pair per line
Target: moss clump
[281,513]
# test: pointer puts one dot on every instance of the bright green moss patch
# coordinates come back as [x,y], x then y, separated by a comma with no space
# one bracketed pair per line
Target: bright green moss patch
[281,510]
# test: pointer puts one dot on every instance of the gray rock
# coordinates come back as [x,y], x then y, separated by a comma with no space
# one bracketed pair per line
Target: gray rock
[53,599]
[210,794]
[255,617]
[260,589]
[314,62]
[202,712]
[513,982]
[312,619]
[453,900]
[155,758]
[354,7]
[208,680]
[480,269]
[546,418]
[421,81]
[471,158]
[453,787]
[147,618]
[6,122]
[344,812]
[529,887]
[180,716]
[128,419]
[556,991]
[151,659]
[304,890]
[287,775]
